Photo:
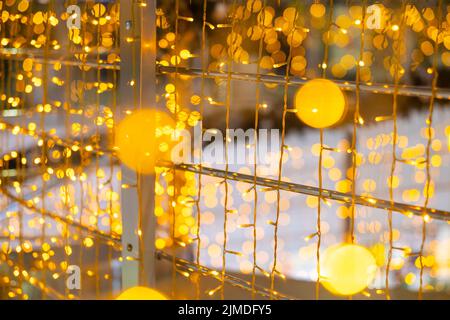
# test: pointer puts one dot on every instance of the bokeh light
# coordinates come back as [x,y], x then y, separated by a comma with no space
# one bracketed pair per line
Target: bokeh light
[320,103]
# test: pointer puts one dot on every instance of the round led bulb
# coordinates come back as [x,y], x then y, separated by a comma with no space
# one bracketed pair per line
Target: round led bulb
[141,293]
[143,138]
[320,103]
[347,269]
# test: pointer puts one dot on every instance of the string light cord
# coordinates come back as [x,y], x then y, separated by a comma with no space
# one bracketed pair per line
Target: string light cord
[274,270]
[429,122]
[397,61]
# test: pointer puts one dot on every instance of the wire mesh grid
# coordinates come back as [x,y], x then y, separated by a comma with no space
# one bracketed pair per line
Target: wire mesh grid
[264,29]
[222,66]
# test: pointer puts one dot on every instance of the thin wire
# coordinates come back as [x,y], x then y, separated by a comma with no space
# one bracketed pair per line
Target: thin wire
[377,88]
[111,158]
[98,209]
[356,119]
[82,142]
[324,67]
[173,235]
[227,126]
[21,170]
[318,221]
[174,197]
[428,150]
[255,146]
[23,56]
[200,167]
[26,275]
[280,162]
[211,273]
[56,217]
[397,61]
[67,206]
[5,140]
[329,194]
[44,145]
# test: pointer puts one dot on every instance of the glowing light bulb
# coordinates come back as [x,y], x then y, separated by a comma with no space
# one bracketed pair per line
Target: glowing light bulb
[141,293]
[317,10]
[143,138]
[320,103]
[347,269]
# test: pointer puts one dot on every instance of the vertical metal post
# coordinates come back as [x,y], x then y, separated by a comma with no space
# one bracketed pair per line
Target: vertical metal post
[137,86]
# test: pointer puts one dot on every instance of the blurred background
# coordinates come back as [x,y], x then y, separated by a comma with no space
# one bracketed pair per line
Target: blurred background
[221,64]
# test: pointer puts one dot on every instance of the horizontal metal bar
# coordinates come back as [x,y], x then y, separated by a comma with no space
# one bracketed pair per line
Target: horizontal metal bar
[182,264]
[411,91]
[62,142]
[74,50]
[62,61]
[188,266]
[54,216]
[314,191]
[303,189]
[52,293]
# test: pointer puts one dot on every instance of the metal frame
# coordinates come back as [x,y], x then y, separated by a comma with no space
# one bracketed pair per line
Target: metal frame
[138,200]
[377,88]
[328,194]
[137,204]
[188,266]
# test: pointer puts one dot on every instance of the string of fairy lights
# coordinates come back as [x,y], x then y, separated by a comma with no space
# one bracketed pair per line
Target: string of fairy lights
[46,140]
[397,58]
[200,153]
[255,153]
[429,122]
[87,215]
[360,121]
[324,67]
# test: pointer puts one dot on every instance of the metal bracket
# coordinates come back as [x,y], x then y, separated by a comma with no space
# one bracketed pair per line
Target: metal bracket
[138,61]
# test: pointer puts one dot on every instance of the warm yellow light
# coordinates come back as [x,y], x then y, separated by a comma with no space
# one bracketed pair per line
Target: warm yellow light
[317,10]
[141,293]
[347,269]
[143,138]
[320,103]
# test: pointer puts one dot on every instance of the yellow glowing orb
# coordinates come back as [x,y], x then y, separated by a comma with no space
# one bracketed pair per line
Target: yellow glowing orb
[347,269]
[141,293]
[320,103]
[143,138]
